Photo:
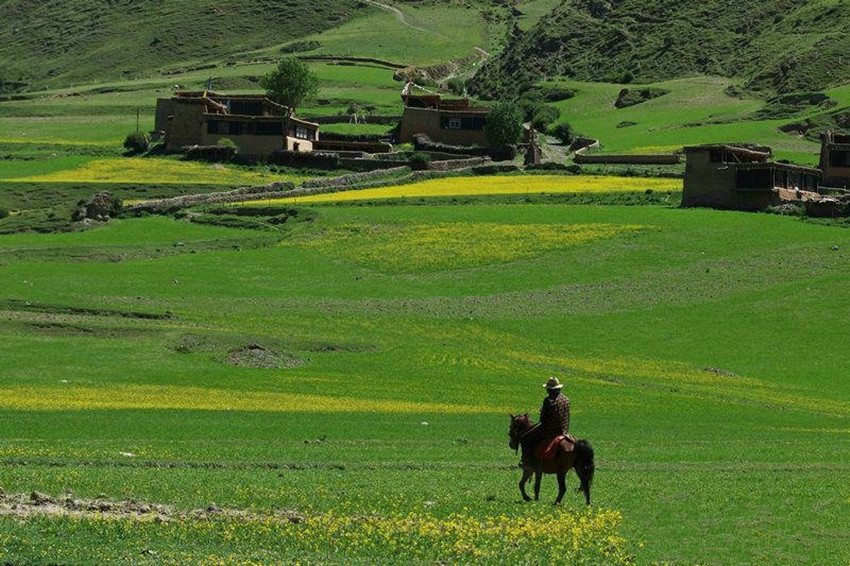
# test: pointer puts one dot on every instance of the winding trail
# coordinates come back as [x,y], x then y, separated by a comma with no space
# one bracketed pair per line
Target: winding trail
[400,16]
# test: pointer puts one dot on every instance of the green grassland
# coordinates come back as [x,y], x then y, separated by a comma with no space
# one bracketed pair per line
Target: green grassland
[694,111]
[352,364]
[702,351]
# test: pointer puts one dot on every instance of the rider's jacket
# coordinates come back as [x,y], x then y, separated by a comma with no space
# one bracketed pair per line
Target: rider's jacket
[555,416]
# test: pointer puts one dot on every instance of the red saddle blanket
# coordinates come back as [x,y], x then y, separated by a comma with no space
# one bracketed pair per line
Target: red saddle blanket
[548,450]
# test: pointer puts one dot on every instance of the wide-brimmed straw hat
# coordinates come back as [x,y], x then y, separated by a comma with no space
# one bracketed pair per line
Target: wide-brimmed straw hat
[553,383]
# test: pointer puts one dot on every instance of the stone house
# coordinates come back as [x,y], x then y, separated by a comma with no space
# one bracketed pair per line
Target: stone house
[744,178]
[835,160]
[448,121]
[256,124]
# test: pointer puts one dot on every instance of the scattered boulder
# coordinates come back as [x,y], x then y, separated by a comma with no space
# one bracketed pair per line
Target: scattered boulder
[100,207]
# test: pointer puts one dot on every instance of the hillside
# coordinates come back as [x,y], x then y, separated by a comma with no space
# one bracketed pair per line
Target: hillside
[773,46]
[63,43]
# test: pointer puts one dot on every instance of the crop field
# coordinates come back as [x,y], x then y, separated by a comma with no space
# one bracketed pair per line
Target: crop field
[338,388]
[495,185]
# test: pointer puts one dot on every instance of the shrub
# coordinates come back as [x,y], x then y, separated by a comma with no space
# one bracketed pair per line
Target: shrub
[227,142]
[563,132]
[504,125]
[4,212]
[419,161]
[456,86]
[544,116]
[556,94]
[137,142]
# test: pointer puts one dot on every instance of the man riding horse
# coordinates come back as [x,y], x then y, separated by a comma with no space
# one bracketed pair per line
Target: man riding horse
[554,421]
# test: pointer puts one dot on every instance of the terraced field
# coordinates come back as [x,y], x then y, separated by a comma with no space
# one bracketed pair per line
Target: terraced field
[338,389]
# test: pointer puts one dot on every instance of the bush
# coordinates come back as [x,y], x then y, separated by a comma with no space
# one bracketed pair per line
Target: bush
[563,132]
[227,142]
[456,86]
[556,94]
[137,142]
[544,116]
[4,212]
[504,125]
[419,161]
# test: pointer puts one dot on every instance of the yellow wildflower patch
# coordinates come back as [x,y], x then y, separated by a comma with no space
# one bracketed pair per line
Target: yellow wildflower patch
[565,537]
[416,247]
[53,398]
[138,170]
[497,185]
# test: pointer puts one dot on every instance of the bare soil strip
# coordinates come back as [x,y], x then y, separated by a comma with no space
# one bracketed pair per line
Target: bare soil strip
[23,506]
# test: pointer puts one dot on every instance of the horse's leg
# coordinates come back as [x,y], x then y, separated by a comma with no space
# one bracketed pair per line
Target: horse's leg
[526,473]
[538,475]
[562,486]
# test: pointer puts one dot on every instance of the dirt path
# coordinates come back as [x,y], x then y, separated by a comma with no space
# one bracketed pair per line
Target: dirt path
[400,16]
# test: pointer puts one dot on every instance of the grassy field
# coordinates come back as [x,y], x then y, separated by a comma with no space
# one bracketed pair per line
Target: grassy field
[391,343]
[694,111]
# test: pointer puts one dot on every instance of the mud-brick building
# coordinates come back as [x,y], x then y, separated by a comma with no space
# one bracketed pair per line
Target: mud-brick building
[448,121]
[256,124]
[835,160]
[744,178]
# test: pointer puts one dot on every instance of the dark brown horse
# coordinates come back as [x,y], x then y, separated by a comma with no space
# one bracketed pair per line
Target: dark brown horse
[578,456]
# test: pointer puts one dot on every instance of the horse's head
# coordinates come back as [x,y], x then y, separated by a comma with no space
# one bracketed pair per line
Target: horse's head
[519,424]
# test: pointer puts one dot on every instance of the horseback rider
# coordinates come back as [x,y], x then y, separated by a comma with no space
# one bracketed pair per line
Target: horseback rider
[554,421]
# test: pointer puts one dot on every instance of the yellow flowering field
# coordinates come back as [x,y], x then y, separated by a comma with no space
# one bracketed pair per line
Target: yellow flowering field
[138,170]
[416,247]
[497,185]
[550,536]
[61,397]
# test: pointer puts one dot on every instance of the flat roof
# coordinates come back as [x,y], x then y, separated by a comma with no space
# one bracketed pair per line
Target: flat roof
[756,151]
[775,165]
[838,146]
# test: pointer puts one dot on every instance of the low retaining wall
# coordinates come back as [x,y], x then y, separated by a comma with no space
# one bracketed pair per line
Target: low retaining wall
[312,160]
[455,164]
[340,145]
[351,178]
[236,195]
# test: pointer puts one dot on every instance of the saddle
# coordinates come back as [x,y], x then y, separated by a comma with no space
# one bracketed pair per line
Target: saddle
[548,450]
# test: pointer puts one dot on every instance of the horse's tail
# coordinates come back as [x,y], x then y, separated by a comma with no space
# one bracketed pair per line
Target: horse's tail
[584,467]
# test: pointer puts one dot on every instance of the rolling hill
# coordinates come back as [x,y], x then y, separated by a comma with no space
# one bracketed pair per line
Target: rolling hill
[65,43]
[776,46]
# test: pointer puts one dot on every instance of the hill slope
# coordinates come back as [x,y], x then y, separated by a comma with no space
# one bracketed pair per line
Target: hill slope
[775,45]
[66,42]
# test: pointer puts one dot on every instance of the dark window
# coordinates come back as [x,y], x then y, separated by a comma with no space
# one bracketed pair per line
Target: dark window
[839,158]
[716,156]
[463,122]
[754,179]
[780,178]
[268,128]
[212,127]
[303,133]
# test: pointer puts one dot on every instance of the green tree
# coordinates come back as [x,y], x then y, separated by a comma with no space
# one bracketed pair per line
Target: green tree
[504,125]
[291,83]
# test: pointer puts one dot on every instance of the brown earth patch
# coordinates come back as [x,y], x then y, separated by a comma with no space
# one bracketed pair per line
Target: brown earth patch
[24,506]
